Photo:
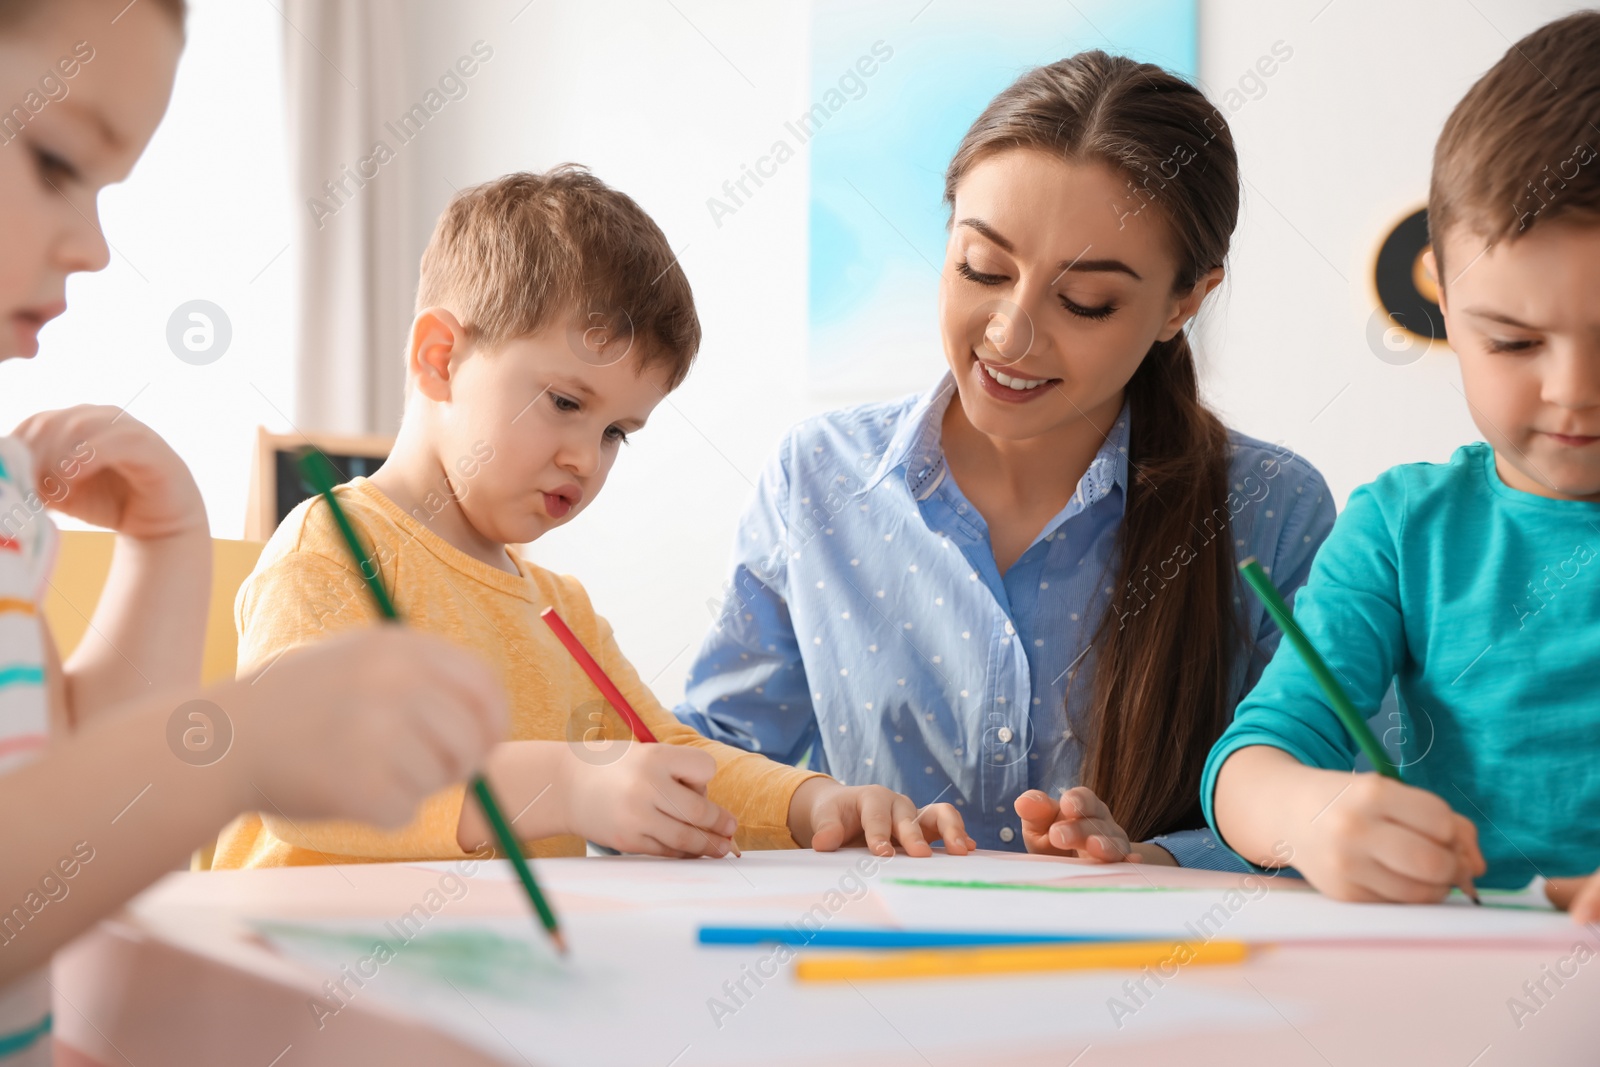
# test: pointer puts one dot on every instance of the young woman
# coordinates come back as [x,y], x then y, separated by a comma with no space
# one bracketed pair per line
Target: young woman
[1021,583]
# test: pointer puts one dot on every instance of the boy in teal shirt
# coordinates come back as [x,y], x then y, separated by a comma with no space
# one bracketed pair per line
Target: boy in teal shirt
[1473,585]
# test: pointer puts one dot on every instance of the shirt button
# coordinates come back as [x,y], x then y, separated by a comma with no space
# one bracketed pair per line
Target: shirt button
[1010,629]
[1005,735]
[1006,833]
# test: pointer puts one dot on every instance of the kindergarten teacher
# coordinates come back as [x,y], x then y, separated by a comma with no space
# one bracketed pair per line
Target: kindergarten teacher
[1023,580]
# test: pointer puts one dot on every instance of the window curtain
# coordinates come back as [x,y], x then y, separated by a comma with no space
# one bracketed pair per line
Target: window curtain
[357,239]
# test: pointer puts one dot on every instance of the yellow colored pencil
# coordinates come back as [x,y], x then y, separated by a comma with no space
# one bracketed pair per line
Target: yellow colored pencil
[1013,959]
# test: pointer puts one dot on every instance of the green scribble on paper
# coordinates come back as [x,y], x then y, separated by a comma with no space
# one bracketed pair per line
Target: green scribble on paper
[471,959]
[1035,887]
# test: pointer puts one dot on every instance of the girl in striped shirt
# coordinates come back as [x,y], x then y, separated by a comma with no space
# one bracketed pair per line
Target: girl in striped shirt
[102,788]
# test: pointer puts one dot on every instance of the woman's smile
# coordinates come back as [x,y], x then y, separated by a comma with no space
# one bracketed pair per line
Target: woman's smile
[1008,385]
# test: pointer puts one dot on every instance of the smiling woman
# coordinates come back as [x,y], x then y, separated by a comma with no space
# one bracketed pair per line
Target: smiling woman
[1022,581]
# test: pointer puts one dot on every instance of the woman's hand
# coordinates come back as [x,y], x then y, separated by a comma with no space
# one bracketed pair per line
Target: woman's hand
[825,815]
[1080,826]
[102,465]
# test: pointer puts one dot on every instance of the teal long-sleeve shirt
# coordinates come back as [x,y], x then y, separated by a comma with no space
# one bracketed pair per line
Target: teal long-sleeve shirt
[1481,603]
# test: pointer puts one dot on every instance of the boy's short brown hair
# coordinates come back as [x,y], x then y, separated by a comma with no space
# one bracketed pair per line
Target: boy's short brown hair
[516,254]
[1521,146]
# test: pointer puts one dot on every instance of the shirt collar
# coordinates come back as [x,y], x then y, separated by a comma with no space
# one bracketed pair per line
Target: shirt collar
[1110,464]
[917,447]
[916,441]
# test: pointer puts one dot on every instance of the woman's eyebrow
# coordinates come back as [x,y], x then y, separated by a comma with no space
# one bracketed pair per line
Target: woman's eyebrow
[1076,266]
[1092,266]
[988,231]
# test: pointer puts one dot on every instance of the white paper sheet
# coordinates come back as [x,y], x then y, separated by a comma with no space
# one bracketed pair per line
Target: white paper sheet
[639,990]
[1287,911]
[651,880]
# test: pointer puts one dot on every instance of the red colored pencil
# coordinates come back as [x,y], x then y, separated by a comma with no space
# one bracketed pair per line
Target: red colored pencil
[564,633]
[641,732]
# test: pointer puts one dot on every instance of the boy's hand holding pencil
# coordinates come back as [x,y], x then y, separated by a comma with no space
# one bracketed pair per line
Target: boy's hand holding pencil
[1378,839]
[1364,837]
[362,725]
[650,800]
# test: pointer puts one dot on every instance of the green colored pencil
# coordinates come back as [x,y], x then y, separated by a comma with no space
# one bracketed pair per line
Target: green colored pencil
[1355,724]
[320,475]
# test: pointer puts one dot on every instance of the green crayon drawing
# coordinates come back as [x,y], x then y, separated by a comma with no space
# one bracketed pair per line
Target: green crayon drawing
[472,959]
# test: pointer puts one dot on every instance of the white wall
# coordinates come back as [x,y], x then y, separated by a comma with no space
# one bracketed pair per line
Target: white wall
[1336,150]
[655,97]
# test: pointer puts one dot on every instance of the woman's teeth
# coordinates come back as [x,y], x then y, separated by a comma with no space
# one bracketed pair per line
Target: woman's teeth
[1019,384]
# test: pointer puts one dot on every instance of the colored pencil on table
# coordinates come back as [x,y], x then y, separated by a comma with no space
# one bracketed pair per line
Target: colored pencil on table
[1355,723]
[884,938]
[602,681]
[320,476]
[1014,959]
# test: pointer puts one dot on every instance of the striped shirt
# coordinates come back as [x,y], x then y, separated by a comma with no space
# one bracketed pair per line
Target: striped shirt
[27,553]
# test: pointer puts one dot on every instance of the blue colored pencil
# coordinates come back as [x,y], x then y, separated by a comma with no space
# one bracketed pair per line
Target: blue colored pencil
[885,937]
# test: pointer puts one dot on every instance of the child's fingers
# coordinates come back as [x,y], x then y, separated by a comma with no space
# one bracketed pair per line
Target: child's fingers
[420,754]
[467,678]
[650,845]
[827,829]
[1388,885]
[942,822]
[1467,835]
[692,766]
[411,771]
[1563,892]
[1401,866]
[1422,811]
[908,826]
[674,801]
[877,820]
[1585,908]
[457,750]
[683,839]
[688,805]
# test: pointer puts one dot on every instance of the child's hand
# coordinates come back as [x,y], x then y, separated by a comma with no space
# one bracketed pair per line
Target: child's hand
[1371,838]
[651,800]
[362,725]
[104,466]
[1081,826]
[1579,897]
[825,815]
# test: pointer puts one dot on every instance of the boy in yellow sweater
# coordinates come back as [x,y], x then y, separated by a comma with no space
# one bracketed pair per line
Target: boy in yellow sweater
[551,319]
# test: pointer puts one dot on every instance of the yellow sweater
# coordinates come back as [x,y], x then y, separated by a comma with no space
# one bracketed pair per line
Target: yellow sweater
[305,587]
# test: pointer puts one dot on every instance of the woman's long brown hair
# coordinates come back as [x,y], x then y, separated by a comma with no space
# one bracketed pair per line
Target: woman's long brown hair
[1164,648]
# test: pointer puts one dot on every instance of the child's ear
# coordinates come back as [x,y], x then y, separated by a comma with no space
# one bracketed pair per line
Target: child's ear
[1188,305]
[438,341]
[1430,263]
